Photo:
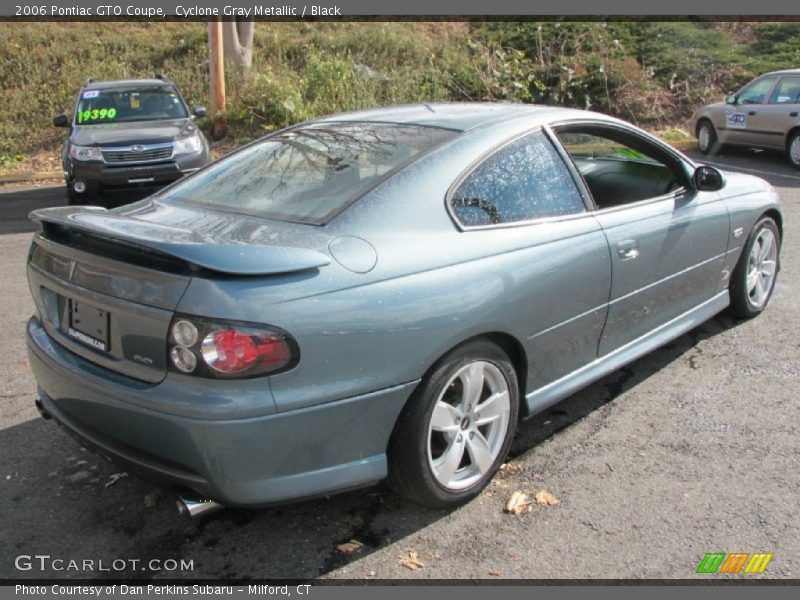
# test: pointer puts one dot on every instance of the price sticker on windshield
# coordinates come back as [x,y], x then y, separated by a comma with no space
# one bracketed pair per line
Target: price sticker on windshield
[96,114]
[735,120]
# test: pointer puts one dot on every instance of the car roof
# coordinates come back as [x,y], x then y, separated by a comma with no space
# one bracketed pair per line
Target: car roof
[783,72]
[459,116]
[117,83]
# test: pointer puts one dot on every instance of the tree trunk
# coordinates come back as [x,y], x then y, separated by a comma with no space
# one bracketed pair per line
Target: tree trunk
[238,42]
[217,80]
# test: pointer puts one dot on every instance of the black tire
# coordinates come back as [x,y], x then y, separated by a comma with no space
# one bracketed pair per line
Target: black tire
[793,149]
[742,303]
[410,471]
[74,198]
[707,140]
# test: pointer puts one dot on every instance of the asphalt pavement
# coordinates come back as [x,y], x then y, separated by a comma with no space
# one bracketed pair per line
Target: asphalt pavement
[692,449]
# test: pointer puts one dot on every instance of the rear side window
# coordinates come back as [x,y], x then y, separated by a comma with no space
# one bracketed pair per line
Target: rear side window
[307,175]
[787,91]
[524,180]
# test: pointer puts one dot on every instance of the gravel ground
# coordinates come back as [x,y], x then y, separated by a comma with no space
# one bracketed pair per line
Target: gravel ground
[692,449]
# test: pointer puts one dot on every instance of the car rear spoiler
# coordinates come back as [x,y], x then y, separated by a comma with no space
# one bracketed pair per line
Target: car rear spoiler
[230,259]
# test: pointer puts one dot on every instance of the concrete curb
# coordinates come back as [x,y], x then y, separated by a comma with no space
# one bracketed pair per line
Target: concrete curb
[684,145]
[24,176]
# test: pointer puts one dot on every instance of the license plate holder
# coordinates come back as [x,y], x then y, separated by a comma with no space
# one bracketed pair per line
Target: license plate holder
[88,325]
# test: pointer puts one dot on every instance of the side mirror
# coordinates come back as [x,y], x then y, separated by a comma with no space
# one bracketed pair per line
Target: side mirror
[731,99]
[199,111]
[61,120]
[707,179]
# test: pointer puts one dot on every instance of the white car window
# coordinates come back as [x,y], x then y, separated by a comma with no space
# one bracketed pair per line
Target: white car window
[756,92]
[787,92]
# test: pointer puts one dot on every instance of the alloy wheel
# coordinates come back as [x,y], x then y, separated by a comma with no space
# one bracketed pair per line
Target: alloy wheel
[468,425]
[761,268]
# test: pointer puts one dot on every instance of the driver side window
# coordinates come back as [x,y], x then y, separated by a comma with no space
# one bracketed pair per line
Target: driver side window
[756,92]
[619,167]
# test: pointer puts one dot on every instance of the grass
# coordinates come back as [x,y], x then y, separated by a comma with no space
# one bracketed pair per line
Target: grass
[653,74]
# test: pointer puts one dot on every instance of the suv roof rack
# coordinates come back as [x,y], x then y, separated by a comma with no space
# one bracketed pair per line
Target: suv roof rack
[163,77]
[88,81]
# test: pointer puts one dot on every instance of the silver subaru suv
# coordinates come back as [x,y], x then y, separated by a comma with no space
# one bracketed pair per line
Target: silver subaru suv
[763,114]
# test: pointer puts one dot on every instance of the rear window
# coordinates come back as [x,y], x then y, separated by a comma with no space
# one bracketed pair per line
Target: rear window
[307,175]
[129,104]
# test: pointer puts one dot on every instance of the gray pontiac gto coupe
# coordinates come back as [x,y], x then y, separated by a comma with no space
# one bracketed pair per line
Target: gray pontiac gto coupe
[381,293]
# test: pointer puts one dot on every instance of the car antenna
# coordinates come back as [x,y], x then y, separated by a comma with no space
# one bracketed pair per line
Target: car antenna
[428,106]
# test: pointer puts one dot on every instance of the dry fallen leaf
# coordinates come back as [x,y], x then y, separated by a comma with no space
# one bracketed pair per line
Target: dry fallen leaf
[350,547]
[353,521]
[114,478]
[411,561]
[545,498]
[494,573]
[517,504]
[506,470]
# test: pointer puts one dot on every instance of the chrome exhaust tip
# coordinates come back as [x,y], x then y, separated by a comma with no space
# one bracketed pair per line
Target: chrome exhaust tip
[194,506]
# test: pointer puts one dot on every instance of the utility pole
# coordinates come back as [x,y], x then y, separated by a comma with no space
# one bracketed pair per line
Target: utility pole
[217,78]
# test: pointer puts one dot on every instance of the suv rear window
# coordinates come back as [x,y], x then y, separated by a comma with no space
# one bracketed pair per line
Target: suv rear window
[129,104]
[310,174]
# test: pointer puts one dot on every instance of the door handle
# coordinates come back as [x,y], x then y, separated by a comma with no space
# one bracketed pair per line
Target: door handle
[751,113]
[628,249]
[793,113]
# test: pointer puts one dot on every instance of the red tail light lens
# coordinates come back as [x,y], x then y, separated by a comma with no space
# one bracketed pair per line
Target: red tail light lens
[231,351]
[220,349]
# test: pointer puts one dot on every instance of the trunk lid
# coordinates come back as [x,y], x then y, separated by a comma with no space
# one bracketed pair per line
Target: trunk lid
[107,283]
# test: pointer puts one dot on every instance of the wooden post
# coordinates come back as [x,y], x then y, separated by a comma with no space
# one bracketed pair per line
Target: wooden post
[217,79]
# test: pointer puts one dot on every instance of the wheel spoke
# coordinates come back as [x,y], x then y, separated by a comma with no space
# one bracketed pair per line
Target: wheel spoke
[472,377]
[479,451]
[445,417]
[752,277]
[766,246]
[492,408]
[768,268]
[447,464]
[758,292]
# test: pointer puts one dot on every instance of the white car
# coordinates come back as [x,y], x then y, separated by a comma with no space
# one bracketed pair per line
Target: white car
[763,114]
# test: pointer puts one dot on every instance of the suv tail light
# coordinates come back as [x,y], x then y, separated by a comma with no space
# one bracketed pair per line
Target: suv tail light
[228,349]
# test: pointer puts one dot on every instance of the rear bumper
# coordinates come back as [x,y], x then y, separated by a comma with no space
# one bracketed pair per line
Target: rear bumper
[244,462]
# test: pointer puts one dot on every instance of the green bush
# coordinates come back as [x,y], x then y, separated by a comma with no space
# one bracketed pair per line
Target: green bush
[652,73]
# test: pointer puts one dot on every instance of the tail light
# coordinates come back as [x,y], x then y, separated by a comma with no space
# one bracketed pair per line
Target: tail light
[221,349]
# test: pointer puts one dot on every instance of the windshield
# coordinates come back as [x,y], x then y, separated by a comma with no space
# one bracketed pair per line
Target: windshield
[307,175]
[129,104]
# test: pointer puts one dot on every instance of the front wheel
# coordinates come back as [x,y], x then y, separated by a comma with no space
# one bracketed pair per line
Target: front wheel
[457,428]
[706,137]
[755,274]
[88,197]
[793,149]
